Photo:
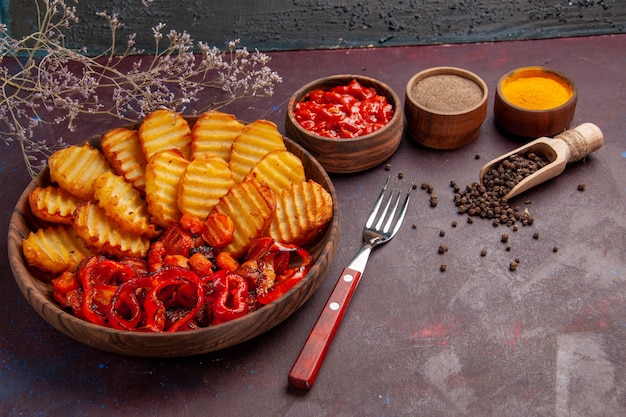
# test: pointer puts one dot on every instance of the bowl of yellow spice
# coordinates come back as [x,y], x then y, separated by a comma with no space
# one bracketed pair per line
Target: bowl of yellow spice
[445,107]
[533,102]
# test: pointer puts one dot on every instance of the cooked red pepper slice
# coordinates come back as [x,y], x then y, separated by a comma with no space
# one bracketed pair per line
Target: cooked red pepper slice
[63,284]
[126,308]
[178,287]
[232,299]
[99,278]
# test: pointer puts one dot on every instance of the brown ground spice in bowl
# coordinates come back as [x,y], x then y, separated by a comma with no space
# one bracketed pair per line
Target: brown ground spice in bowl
[447,93]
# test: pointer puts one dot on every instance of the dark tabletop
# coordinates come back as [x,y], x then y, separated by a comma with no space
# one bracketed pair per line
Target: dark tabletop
[476,340]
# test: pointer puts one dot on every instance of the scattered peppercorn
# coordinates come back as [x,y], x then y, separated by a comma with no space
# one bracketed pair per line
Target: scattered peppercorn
[504,237]
[400,175]
[477,156]
[535,235]
[581,187]
[443,267]
[517,261]
[388,167]
[434,200]
[513,266]
[483,252]
[487,200]
[453,224]
[442,233]
[508,248]
[470,220]
[555,249]
[414,225]
[442,249]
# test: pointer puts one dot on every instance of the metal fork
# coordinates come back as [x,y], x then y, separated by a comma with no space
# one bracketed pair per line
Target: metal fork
[380,227]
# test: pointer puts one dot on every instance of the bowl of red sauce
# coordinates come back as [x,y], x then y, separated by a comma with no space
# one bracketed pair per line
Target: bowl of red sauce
[349,123]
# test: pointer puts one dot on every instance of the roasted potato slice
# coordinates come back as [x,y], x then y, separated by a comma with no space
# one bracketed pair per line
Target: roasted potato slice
[164,129]
[54,249]
[122,149]
[75,168]
[104,237]
[255,141]
[53,204]
[206,179]
[214,133]
[301,213]
[124,205]
[163,174]
[251,206]
[278,169]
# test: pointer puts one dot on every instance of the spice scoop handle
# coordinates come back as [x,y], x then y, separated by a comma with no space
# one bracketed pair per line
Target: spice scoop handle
[568,146]
[582,140]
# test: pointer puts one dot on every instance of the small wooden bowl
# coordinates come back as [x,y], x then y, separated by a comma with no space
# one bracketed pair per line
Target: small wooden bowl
[451,121]
[525,123]
[37,289]
[348,155]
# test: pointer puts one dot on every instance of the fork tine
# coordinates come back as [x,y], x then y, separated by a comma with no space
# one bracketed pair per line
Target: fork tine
[405,205]
[374,212]
[383,215]
[395,208]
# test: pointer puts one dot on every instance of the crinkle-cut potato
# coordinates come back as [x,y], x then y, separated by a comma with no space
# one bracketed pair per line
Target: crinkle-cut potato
[251,205]
[75,168]
[253,143]
[122,149]
[278,169]
[53,204]
[214,133]
[301,213]
[103,236]
[124,205]
[163,174]
[164,129]
[206,179]
[54,249]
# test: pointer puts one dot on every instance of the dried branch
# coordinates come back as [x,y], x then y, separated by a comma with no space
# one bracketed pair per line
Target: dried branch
[47,83]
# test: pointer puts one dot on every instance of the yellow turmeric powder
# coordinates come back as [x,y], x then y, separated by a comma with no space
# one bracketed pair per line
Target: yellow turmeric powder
[541,91]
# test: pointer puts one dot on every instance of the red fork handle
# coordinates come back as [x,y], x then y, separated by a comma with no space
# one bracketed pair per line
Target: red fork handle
[309,361]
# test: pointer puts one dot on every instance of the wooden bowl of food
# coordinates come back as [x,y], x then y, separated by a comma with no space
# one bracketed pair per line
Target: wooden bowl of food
[346,138]
[38,290]
[533,102]
[445,107]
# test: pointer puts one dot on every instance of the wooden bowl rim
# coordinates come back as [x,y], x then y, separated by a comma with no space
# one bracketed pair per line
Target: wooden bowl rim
[572,100]
[340,79]
[47,306]
[447,70]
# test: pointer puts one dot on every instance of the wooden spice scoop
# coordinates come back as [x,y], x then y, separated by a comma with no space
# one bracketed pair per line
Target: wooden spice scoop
[569,146]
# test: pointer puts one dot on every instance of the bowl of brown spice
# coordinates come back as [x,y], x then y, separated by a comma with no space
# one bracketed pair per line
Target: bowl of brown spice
[533,102]
[445,107]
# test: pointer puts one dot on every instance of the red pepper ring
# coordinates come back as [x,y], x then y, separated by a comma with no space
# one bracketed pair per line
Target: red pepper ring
[232,299]
[154,307]
[99,278]
[126,310]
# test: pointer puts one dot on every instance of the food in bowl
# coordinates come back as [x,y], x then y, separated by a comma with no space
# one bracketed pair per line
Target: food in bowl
[189,269]
[532,102]
[536,89]
[349,154]
[445,107]
[343,111]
